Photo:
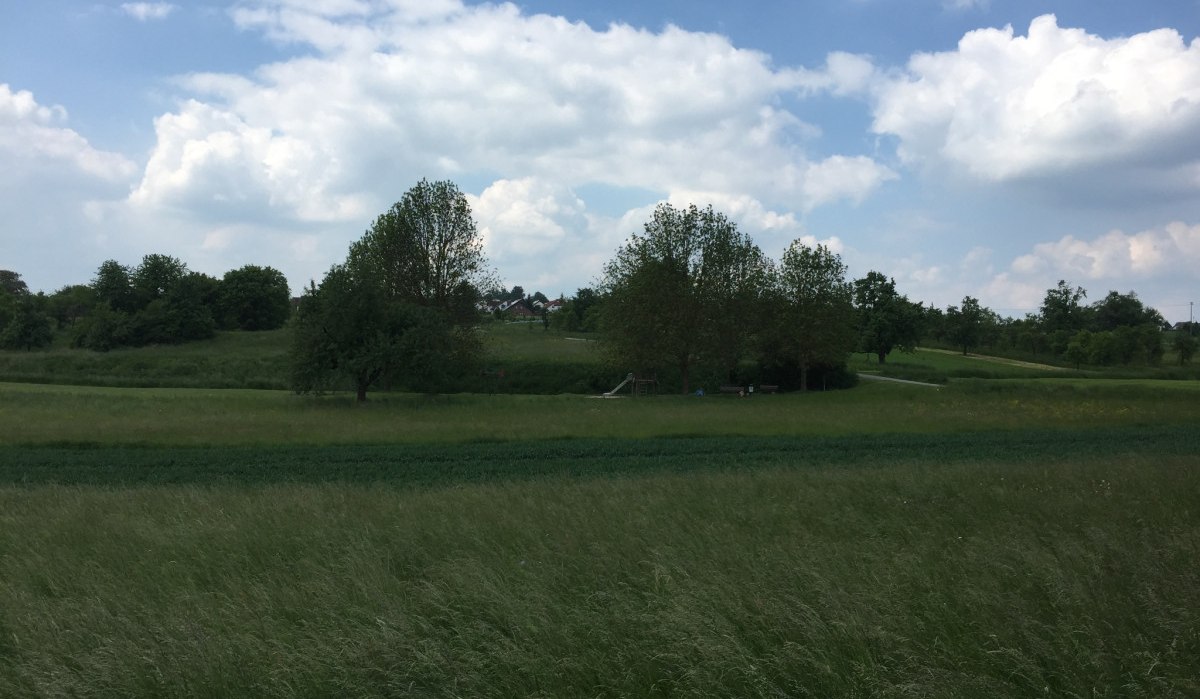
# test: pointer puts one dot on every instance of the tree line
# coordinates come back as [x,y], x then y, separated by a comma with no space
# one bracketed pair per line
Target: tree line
[158,301]
[689,296]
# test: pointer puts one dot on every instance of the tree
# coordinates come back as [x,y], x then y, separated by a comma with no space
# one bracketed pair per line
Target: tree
[349,327]
[402,307]
[426,250]
[678,292]
[71,303]
[29,328]
[12,284]
[580,313]
[1063,314]
[1185,346]
[155,277]
[114,286]
[253,298]
[811,307]
[966,323]
[1123,310]
[886,319]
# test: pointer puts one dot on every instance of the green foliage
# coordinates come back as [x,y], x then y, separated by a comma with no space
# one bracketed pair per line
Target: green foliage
[155,277]
[70,304]
[1185,345]
[349,328]
[887,320]
[426,250]
[1123,310]
[967,324]
[402,308]
[28,327]
[11,284]
[580,313]
[809,313]
[1063,314]
[253,298]
[113,285]
[677,294]
[160,302]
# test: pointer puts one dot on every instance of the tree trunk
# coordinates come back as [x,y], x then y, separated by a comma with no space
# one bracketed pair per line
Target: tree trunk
[882,356]
[683,374]
[804,376]
[361,394]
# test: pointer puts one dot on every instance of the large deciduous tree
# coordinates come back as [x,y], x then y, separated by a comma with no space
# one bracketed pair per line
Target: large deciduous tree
[253,298]
[680,292]
[402,306]
[965,324]
[1063,314]
[811,309]
[887,320]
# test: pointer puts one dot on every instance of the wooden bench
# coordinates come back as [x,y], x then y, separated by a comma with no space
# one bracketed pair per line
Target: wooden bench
[745,391]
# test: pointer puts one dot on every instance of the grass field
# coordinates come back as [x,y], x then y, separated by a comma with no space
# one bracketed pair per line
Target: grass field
[41,414]
[942,577]
[1032,533]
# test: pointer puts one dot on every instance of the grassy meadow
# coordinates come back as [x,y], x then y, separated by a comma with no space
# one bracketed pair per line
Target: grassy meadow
[1027,532]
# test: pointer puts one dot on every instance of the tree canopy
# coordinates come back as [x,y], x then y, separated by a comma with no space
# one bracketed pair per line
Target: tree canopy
[811,305]
[401,307]
[675,294]
[253,298]
[887,320]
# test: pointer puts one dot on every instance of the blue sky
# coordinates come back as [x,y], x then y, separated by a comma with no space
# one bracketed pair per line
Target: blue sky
[964,147]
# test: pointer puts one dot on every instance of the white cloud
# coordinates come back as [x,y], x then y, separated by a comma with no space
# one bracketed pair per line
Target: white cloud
[843,74]
[527,217]
[33,138]
[1173,248]
[1057,101]
[146,11]
[841,177]
[212,164]
[1159,263]
[52,183]
[404,90]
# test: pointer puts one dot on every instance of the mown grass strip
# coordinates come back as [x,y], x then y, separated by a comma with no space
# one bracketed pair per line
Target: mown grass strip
[430,465]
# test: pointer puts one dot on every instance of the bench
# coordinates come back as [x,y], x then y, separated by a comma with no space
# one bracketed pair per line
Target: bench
[746,391]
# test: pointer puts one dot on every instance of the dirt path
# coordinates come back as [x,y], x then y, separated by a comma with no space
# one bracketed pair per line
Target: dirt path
[997,360]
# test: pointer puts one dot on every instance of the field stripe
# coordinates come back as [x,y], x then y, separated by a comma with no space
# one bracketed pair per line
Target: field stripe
[448,465]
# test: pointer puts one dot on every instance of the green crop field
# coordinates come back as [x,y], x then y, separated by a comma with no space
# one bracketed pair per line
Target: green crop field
[1032,532]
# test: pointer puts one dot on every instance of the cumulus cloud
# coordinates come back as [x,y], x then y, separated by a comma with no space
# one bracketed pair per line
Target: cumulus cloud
[146,11]
[213,164]
[1057,101]
[843,74]
[401,90]
[52,186]
[1171,249]
[1158,262]
[34,138]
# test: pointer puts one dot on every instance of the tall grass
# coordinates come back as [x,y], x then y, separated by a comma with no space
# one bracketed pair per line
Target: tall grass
[936,579]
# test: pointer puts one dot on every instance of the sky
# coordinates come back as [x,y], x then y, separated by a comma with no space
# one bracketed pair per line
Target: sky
[963,147]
